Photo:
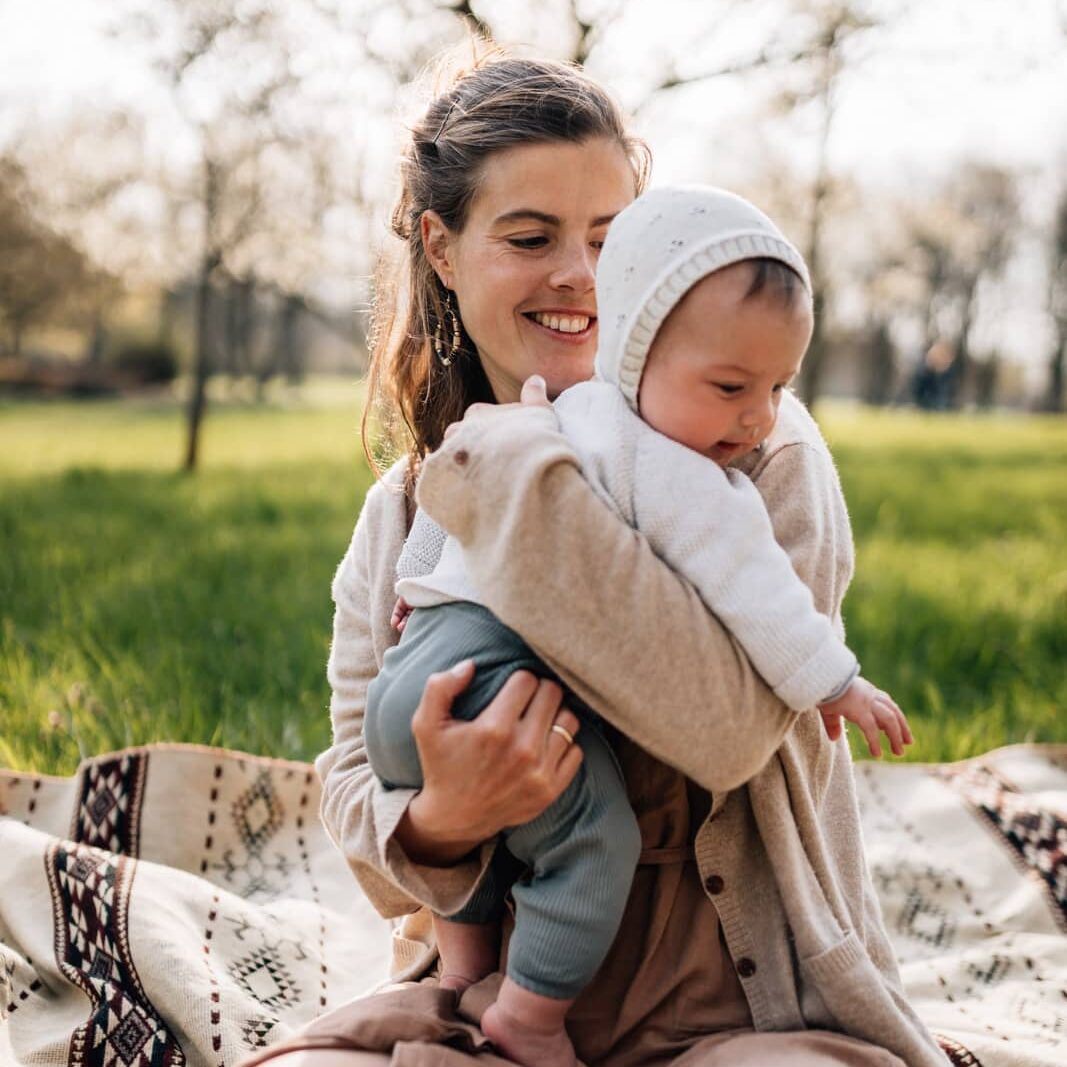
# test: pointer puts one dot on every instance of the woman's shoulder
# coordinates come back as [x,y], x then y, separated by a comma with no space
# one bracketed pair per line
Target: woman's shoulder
[380,530]
[385,499]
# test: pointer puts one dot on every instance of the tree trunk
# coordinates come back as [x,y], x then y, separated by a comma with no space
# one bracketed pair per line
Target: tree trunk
[881,370]
[291,358]
[202,366]
[811,370]
[1054,393]
[963,371]
[211,259]
[94,350]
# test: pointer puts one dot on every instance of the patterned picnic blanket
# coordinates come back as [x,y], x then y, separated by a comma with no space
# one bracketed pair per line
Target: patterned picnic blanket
[179,905]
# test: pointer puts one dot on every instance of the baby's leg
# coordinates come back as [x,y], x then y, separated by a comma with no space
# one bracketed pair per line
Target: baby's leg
[469,940]
[469,951]
[435,639]
[583,851]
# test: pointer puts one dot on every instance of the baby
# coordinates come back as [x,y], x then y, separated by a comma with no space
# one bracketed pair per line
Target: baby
[705,314]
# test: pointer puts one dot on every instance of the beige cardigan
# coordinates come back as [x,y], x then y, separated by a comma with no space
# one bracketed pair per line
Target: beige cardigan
[784,828]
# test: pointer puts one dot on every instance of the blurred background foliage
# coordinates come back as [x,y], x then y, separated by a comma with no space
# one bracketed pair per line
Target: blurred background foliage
[193,197]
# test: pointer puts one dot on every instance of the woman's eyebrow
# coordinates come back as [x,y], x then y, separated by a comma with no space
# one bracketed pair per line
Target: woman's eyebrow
[524,214]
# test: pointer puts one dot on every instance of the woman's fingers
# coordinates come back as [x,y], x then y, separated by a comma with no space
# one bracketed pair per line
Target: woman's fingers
[561,737]
[509,706]
[567,767]
[542,710]
[535,392]
[439,693]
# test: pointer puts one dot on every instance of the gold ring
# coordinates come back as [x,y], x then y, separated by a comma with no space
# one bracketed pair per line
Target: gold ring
[563,732]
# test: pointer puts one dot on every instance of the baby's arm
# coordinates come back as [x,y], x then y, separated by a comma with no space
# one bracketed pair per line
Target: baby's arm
[712,527]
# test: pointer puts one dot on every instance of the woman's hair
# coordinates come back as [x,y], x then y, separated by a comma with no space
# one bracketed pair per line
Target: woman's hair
[501,103]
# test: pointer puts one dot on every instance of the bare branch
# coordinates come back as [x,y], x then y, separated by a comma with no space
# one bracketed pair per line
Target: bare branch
[462,9]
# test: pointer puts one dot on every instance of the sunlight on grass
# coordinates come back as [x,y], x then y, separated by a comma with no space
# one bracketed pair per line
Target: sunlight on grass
[139,604]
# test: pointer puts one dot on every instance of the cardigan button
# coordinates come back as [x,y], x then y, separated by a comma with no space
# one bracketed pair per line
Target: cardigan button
[714,884]
[462,456]
[746,968]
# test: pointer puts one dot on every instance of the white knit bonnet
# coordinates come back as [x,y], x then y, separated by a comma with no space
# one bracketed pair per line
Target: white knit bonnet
[656,250]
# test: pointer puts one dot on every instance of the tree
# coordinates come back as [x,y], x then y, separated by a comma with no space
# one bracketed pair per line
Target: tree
[43,276]
[834,28]
[1057,307]
[961,239]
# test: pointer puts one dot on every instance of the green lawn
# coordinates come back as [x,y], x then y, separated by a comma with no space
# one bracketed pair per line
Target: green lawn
[137,604]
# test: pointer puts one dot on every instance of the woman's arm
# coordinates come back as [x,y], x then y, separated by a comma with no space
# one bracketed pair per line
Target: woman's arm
[624,631]
[408,846]
[371,824]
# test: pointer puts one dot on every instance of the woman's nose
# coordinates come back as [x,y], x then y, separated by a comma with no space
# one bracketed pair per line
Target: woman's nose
[575,270]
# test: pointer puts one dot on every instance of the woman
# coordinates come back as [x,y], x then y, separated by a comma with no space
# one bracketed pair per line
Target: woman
[752,934]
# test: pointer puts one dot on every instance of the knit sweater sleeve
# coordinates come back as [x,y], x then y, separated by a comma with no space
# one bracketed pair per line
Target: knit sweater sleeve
[712,526]
[358,812]
[588,593]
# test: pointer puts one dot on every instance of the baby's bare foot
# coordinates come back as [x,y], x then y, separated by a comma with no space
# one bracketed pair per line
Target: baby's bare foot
[526,1045]
[456,982]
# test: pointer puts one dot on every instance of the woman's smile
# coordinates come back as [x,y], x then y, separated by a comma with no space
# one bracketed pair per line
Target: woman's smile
[569,327]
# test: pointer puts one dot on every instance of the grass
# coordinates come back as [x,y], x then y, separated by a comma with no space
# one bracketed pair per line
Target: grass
[137,604]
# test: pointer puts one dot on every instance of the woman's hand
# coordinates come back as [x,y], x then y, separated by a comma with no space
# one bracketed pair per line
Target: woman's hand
[501,769]
[534,394]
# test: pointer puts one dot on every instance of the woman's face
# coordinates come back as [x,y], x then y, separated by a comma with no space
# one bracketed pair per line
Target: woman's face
[522,268]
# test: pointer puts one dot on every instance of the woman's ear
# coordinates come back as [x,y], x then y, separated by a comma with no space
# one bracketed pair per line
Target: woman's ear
[437,244]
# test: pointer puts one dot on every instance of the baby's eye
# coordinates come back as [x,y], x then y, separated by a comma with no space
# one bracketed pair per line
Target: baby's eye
[528,242]
[728,388]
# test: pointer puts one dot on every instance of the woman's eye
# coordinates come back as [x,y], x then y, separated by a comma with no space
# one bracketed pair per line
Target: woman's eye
[528,242]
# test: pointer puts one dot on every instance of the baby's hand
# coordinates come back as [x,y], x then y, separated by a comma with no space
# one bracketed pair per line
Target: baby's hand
[399,618]
[873,711]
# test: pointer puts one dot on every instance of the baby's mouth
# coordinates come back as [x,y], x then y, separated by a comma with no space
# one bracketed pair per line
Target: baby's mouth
[559,322]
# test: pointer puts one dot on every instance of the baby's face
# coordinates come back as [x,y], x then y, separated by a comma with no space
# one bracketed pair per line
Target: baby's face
[716,369]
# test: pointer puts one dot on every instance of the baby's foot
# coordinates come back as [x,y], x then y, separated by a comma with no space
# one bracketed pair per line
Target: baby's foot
[455,981]
[525,1044]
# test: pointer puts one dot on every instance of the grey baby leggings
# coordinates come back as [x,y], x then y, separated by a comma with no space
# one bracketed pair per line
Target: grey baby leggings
[576,859]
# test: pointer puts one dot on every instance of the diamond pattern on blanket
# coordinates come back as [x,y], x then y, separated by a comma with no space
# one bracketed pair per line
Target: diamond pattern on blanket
[258,814]
[257,1028]
[108,814]
[264,976]
[90,900]
[1036,836]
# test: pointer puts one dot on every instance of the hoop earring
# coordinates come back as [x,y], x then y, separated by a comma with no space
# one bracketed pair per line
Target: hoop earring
[438,338]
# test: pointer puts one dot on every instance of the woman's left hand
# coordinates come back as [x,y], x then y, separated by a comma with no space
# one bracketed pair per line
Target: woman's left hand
[534,394]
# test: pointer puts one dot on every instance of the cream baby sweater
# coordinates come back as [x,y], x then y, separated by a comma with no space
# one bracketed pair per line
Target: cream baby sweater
[710,525]
[784,830]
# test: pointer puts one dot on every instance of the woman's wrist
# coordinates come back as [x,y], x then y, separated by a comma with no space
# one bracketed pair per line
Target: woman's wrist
[431,839]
